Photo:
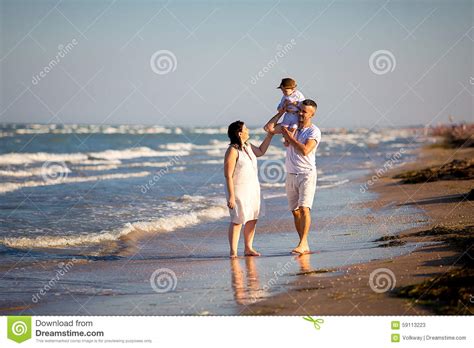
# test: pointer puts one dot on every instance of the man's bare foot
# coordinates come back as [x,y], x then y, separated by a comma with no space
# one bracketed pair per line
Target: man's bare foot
[233,255]
[251,252]
[301,249]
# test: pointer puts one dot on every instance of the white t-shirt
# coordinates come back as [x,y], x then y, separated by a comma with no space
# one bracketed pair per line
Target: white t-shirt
[295,162]
[291,117]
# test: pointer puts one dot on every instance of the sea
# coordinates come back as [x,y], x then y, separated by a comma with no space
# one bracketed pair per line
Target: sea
[118,194]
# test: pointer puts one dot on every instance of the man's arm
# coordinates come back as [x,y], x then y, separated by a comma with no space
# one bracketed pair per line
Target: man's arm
[304,149]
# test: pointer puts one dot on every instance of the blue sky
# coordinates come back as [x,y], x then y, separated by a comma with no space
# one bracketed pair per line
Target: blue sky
[218,48]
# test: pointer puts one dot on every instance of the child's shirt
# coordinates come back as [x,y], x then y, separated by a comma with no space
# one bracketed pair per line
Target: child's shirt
[291,117]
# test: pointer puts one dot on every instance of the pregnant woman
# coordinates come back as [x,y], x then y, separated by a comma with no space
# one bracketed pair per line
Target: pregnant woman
[243,188]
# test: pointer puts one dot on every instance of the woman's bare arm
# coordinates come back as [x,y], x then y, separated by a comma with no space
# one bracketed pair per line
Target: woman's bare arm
[260,151]
[230,160]
[272,126]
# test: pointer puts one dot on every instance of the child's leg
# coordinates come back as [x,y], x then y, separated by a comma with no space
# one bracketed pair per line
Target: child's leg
[234,234]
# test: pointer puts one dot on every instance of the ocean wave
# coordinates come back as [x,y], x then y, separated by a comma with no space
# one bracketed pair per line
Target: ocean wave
[13,186]
[126,165]
[326,177]
[160,225]
[47,171]
[272,184]
[109,155]
[212,162]
[191,147]
[88,129]
[274,195]
[334,184]
[220,130]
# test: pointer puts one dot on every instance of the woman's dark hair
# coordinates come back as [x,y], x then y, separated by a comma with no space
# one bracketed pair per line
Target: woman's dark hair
[233,133]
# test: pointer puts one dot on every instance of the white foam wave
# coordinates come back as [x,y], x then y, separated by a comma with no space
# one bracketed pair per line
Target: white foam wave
[337,183]
[127,165]
[213,144]
[212,162]
[91,129]
[160,225]
[108,155]
[272,184]
[48,171]
[13,186]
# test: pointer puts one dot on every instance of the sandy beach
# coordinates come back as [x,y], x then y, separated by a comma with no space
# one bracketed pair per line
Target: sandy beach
[435,278]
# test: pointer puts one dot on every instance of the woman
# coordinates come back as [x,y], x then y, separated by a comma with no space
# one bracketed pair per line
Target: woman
[243,188]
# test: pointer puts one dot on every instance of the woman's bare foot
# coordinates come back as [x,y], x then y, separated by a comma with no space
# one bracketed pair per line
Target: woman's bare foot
[301,249]
[251,252]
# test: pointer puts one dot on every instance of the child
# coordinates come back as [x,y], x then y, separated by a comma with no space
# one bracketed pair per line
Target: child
[289,105]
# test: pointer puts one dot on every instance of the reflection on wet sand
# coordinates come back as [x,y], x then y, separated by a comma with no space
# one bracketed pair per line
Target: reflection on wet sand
[246,284]
[245,294]
[305,263]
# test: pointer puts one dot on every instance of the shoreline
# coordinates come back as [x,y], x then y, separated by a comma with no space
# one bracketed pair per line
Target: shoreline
[331,280]
[445,204]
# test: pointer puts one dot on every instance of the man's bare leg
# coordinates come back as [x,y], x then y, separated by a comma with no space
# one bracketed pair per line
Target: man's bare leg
[234,234]
[304,220]
[249,233]
[297,220]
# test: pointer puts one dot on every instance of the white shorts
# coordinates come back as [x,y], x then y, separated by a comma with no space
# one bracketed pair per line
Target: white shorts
[300,189]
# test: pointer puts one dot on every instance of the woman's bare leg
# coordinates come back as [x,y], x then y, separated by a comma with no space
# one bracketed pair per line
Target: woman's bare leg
[249,233]
[234,234]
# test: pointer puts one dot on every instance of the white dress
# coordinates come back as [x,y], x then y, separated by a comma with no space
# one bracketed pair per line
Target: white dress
[246,187]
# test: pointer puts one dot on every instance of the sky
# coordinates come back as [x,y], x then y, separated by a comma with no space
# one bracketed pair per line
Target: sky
[208,63]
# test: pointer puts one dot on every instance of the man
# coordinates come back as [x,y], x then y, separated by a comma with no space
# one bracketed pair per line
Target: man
[301,169]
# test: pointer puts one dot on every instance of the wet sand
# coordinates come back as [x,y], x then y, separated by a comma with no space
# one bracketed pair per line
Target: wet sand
[445,203]
[205,281]
[331,280]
